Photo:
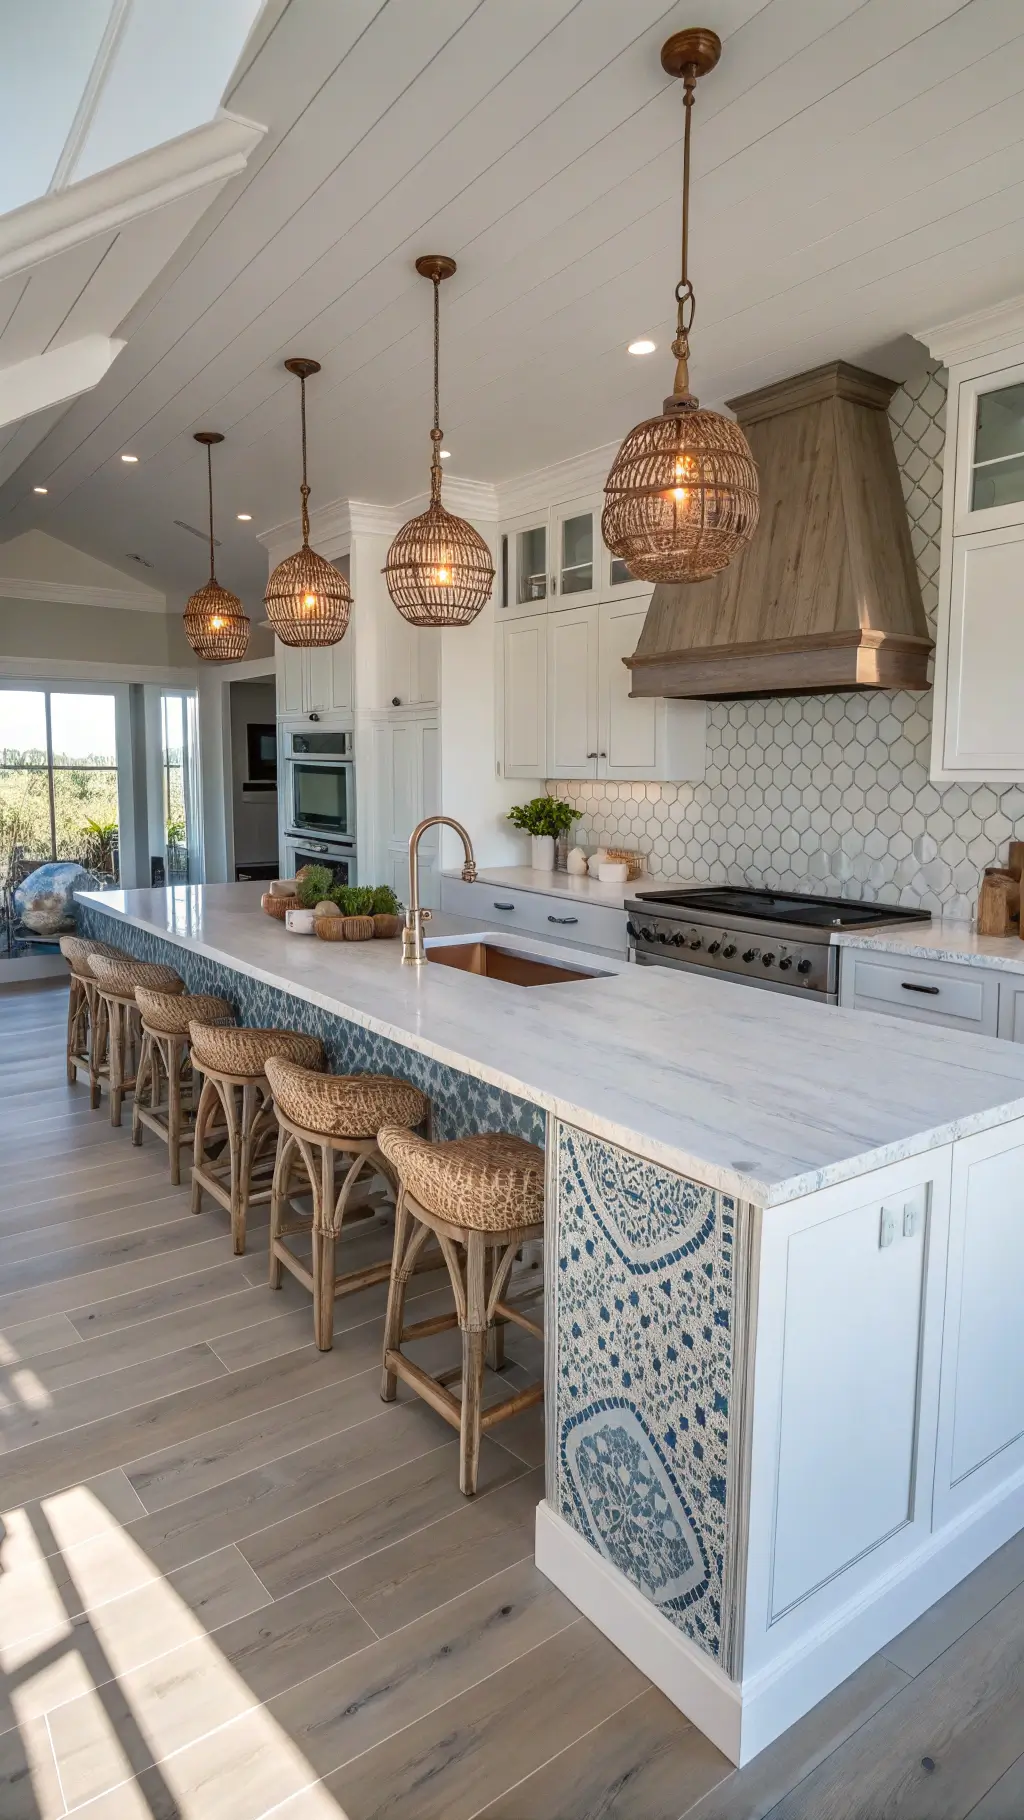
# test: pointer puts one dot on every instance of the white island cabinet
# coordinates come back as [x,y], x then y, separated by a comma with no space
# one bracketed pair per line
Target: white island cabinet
[783,1253]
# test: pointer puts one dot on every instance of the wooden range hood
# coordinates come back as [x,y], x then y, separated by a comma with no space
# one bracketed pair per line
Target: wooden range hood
[826,596]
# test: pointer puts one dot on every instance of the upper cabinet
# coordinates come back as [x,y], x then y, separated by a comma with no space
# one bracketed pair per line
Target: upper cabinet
[978,729]
[555,559]
[317,681]
[411,663]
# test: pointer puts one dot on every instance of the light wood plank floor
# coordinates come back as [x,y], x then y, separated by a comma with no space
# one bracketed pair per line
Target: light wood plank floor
[234,1584]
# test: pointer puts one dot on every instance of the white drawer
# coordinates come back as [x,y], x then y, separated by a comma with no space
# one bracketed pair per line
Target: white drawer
[535,913]
[934,992]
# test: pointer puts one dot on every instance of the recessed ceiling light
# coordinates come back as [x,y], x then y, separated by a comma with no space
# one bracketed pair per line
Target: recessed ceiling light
[40,489]
[245,518]
[129,458]
[446,454]
[641,347]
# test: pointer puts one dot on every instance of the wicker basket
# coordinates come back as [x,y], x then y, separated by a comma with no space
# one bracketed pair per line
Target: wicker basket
[277,906]
[330,928]
[619,857]
[358,928]
[386,928]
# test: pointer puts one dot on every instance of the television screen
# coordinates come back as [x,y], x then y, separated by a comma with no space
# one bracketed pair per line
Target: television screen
[261,741]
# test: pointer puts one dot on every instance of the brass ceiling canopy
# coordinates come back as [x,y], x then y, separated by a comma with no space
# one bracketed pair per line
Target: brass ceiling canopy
[216,623]
[308,600]
[682,495]
[438,569]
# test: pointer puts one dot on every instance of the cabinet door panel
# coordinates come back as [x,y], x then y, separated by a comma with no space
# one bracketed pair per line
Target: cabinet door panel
[984,725]
[850,1383]
[628,729]
[981,1437]
[1011,1010]
[572,694]
[290,672]
[524,687]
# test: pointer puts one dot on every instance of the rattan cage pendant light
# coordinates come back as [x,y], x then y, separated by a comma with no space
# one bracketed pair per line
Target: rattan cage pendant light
[438,569]
[308,600]
[216,623]
[682,495]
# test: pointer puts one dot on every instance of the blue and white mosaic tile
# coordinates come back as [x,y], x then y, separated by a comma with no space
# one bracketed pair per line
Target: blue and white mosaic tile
[460,1103]
[643,1374]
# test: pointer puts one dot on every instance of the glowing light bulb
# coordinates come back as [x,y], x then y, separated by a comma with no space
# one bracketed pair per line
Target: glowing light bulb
[442,577]
[684,471]
[216,623]
[309,602]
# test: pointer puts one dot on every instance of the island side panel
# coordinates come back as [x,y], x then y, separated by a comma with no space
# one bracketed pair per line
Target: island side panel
[460,1102]
[641,1386]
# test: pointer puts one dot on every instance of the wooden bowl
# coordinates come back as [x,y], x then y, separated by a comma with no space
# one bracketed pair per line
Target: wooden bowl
[386,928]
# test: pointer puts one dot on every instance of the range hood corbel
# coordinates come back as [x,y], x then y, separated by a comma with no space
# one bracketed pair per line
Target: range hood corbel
[826,596]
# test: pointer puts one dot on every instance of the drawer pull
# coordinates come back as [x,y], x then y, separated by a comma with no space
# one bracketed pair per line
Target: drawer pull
[498,906]
[933,991]
[563,919]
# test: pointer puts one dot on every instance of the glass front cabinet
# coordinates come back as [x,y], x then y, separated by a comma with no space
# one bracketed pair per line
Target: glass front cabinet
[556,559]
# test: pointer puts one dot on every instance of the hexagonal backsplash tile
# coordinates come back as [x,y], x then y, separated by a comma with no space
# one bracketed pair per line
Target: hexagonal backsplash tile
[829,793]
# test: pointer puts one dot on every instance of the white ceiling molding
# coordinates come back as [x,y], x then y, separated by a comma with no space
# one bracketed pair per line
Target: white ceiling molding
[60,669]
[75,594]
[55,377]
[331,528]
[983,332]
[571,479]
[101,204]
[84,113]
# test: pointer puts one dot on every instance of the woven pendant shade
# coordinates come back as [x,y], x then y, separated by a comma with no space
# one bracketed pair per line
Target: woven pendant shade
[308,600]
[438,569]
[215,621]
[682,497]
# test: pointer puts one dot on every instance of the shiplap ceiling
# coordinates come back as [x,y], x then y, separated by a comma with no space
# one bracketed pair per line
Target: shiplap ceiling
[859,171]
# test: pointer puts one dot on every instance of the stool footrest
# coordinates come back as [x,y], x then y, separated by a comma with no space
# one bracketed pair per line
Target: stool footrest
[510,1311]
[422,1330]
[430,1390]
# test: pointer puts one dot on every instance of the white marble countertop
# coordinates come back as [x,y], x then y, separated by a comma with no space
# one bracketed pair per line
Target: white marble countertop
[762,1095]
[942,941]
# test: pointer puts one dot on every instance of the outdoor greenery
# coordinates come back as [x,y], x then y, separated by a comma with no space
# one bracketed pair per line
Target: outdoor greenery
[544,815]
[84,801]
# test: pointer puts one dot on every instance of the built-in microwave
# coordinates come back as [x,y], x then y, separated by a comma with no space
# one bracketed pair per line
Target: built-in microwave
[320,782]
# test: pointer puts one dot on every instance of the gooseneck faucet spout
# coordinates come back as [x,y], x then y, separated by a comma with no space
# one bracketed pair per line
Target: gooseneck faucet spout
[413,951]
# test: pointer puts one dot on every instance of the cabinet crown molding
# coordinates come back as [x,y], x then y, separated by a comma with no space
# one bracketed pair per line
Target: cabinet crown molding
[995,330]
[571,479]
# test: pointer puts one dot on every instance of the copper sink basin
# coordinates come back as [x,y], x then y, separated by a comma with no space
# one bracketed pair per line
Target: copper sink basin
[494,963]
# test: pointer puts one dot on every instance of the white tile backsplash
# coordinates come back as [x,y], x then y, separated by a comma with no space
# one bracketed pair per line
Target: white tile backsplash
[827,793]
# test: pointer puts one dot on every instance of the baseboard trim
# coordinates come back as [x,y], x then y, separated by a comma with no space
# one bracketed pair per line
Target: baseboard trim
[20,967]
[691,1680]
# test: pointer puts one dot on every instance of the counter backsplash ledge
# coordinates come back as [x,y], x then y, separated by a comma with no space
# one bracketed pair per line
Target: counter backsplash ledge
[827,793]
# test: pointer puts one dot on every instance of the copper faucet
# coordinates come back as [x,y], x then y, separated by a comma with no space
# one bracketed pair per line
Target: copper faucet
[413,951]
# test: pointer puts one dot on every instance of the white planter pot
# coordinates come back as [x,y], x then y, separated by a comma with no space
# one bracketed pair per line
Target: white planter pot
[542,852]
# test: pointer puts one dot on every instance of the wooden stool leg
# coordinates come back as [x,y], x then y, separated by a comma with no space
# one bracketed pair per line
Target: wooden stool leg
[115,1050]
[174,1061]
[97,1048]
[474,1339]
[76,994]
[394,1320]
[208,1101]
[146,1072]
[279,1200]
[496,1331]
[241,1163]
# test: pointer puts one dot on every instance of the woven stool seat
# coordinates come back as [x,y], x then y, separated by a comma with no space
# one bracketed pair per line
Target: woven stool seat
[171,1013]
[246,1052]
[76,950]
[482,1198]
[492,1182]
[343,1105]
[121,974]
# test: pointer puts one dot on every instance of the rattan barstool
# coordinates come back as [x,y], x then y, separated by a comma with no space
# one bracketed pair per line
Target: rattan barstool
[117,1032]
[76,950]
[233,1063]
[165,1072]
[321,1118]
[483,1198]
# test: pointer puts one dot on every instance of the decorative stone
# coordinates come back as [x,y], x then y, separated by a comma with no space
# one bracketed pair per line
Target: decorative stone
[45,900]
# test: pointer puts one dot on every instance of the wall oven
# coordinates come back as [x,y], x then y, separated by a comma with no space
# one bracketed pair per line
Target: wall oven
[338,856]
[320,785]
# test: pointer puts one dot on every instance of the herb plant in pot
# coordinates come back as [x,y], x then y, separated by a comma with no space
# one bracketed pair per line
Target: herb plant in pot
[543,818]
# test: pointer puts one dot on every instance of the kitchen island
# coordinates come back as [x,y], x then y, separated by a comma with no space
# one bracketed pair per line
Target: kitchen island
[785,1384]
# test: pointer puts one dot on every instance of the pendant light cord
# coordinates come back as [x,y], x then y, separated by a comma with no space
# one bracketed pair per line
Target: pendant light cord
[209,487]
[435,434]
[305,489]
[685,301]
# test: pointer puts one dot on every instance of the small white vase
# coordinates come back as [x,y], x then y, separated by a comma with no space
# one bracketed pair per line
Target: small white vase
[542,852]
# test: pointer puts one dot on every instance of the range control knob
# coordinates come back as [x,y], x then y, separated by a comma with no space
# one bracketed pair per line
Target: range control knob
[728,951]
[713,947]
[648,934]
[785,963]
[695,943]
[631,929]
[664,936]
[803,966]
[679,939]
[751,954]
[767,960]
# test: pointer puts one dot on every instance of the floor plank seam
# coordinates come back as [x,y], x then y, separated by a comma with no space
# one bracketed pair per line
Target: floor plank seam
[537,1767]
[75,1428]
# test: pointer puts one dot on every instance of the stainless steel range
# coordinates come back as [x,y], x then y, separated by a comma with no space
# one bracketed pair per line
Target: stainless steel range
[781,940]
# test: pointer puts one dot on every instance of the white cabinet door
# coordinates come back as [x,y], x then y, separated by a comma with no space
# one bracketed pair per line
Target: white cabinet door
[411,663]
[628,729]
[524,697]
[981,1419]
[407,788]
[572,694]
[576,553]
[984,727]
[328,671]
[1011,1009]
[291,679]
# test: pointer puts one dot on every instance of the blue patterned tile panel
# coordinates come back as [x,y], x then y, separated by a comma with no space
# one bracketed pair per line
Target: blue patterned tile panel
[460,1103]
[643,1368]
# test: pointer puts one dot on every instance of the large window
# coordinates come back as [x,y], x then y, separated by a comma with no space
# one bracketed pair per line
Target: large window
[58,780]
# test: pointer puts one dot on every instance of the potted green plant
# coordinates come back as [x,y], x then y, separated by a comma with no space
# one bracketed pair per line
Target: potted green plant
[543,818]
